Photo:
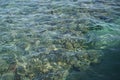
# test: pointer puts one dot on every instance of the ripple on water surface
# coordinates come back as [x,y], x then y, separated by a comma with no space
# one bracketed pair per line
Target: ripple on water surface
[59,40]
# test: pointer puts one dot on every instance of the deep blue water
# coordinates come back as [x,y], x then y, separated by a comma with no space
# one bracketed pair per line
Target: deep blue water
[59,39]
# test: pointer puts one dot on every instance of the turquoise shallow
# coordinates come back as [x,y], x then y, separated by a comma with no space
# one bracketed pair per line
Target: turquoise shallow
[59,39]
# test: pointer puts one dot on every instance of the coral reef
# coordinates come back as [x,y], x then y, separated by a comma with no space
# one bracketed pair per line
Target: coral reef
[46,39]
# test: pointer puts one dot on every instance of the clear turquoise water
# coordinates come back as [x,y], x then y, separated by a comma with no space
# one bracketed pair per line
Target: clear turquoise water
[59,39]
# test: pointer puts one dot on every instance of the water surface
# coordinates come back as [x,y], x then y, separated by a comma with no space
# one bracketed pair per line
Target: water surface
[59,39]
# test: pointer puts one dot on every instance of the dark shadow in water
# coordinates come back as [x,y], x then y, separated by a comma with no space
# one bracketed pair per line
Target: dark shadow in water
[108,69]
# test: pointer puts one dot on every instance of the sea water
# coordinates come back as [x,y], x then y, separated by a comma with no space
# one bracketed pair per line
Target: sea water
[59,39]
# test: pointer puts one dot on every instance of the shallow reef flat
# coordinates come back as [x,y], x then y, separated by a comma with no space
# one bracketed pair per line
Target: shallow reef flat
[50,39]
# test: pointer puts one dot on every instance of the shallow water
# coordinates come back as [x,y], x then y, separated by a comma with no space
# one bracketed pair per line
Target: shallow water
[59,39]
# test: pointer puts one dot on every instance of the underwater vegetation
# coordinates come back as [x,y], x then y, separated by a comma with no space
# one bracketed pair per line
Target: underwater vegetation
[48,39]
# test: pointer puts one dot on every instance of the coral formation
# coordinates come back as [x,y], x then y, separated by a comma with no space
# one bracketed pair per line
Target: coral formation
[43,40]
